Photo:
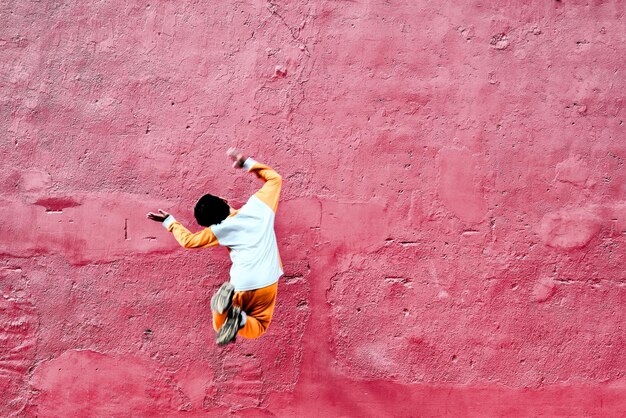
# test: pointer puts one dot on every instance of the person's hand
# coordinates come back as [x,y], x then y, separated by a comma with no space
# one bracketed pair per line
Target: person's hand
[236,156]
[158,217]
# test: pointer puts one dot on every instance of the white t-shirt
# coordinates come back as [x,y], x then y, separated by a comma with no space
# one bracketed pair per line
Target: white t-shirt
[250,236]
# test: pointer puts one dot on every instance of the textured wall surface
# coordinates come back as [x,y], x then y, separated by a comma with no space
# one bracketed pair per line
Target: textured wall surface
[452,224]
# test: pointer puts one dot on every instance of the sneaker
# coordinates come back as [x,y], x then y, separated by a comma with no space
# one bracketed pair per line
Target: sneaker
[222,300]
[228,332]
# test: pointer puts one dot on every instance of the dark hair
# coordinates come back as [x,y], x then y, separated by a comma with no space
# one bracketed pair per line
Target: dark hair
[211,210]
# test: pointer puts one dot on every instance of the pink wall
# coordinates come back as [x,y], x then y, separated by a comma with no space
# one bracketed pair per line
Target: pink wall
[452,224]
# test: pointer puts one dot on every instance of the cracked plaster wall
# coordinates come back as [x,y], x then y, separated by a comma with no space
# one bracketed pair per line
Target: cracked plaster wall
[452,224]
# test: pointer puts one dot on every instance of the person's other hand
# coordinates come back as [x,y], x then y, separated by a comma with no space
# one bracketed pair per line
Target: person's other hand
[158,217]
[236,156]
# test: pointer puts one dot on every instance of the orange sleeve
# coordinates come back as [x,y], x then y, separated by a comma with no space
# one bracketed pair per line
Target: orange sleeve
[270,192]
[201,239]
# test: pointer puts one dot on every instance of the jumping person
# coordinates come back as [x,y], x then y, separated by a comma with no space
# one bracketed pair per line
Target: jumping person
[245,305]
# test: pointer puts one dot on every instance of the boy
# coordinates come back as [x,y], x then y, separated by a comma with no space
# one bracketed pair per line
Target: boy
[244,305]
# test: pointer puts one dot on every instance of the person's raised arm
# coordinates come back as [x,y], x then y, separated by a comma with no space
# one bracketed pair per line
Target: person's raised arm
[201,239]
[270,192]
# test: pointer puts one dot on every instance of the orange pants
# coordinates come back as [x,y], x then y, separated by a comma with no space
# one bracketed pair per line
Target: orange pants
[258,305]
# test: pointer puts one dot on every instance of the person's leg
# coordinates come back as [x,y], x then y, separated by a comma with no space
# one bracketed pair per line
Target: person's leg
[227,333]
[258,306]
[220,304]
[218,320]
[249,316]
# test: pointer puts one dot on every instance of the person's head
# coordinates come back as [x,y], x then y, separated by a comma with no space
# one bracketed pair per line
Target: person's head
[211,210]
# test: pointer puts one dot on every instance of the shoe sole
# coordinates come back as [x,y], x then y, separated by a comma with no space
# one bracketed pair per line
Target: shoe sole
[228,332]
[223,298]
